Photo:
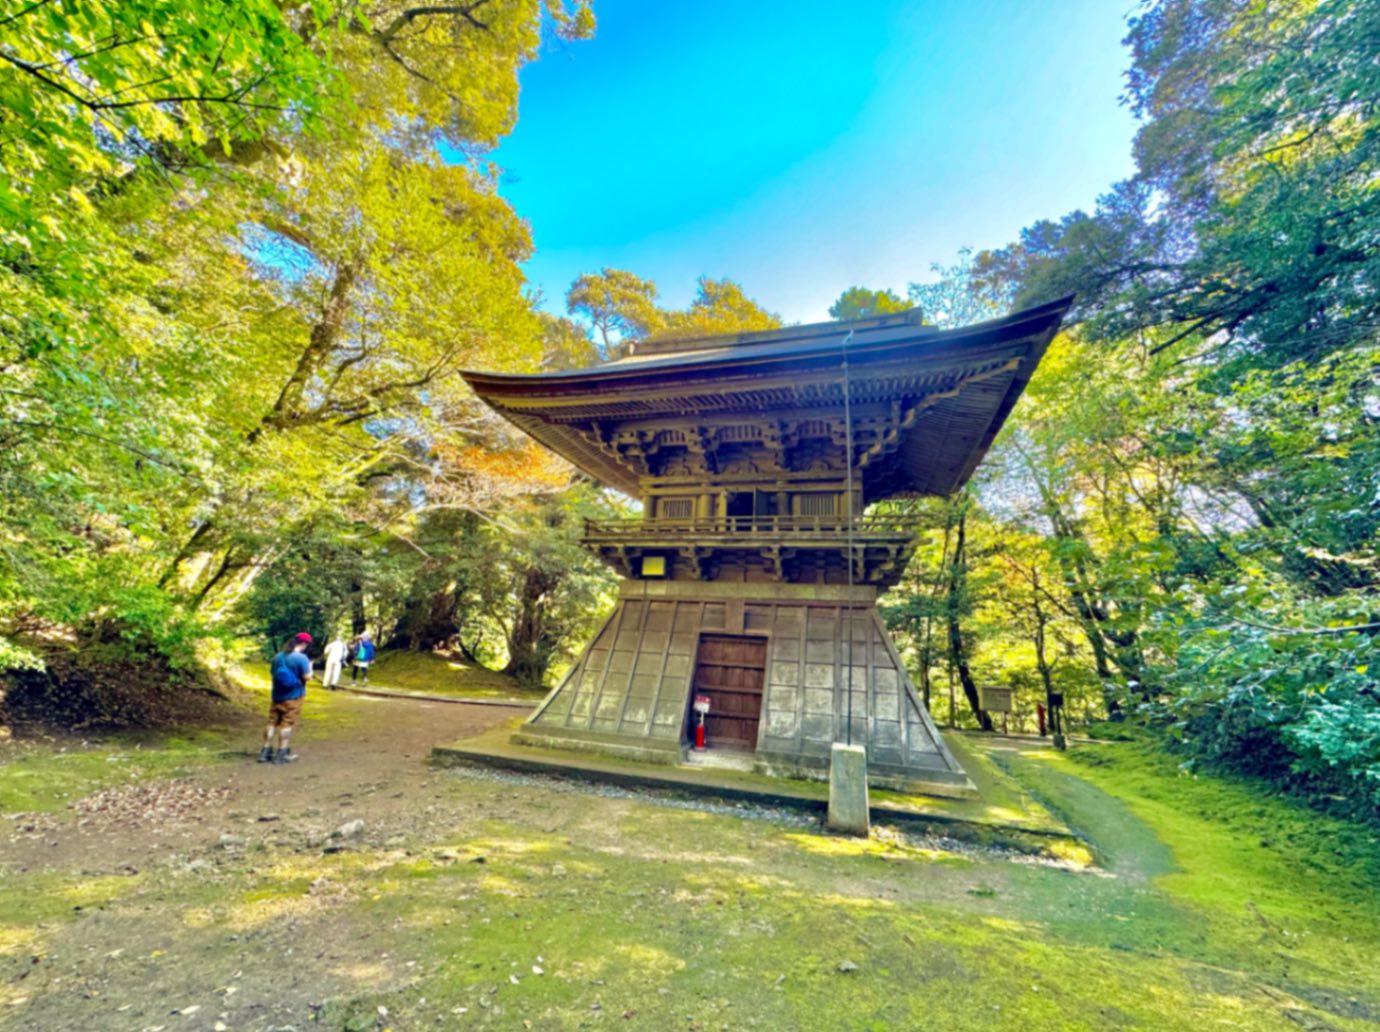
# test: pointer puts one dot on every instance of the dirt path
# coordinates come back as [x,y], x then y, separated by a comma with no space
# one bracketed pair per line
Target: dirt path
[359,891]
[372,773]
[197,902]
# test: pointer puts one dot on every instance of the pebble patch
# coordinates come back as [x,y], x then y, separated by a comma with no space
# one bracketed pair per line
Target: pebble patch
[786,817]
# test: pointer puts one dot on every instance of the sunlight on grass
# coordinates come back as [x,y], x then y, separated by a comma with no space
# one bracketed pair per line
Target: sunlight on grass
[200,917]
[679,856]
[649,959]
[256,913]
[90,891]
[508,846]
[759,884]
[1040,755]
[1071,852]
[837,845]
[363,974]
[37,906]
[279,888]
[501,885]
[436,674]
[11,996]
[835,899]
[1004,814]
[14,938]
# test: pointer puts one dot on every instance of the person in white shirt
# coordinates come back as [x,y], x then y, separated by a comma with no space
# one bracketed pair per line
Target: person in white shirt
[335,661]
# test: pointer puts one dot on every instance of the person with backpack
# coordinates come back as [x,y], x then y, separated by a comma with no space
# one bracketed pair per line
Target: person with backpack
[361,655]
[290,671]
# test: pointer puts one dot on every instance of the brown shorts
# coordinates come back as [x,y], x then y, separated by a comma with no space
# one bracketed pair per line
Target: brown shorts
[284,714]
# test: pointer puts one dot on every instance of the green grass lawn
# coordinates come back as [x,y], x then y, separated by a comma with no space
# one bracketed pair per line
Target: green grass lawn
[495,902]
[436,674]
[1271,881]
[677,919]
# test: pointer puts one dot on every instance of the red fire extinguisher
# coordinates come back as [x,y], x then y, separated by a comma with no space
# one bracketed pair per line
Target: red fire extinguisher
[701,708]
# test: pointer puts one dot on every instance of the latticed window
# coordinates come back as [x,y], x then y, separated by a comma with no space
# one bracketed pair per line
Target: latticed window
[676,508]
[816,504]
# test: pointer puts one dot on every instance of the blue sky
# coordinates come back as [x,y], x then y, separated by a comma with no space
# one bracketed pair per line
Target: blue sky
[802,148]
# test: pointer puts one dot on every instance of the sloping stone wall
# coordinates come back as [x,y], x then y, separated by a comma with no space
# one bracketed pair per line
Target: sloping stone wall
[811,662]
[632,685]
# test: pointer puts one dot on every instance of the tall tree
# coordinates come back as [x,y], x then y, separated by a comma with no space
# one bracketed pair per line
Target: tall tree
[618,304]
[862,303]
[1198,451]
[719,306]
[211,231]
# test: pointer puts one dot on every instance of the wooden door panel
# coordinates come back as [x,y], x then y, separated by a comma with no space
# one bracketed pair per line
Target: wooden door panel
[730,669]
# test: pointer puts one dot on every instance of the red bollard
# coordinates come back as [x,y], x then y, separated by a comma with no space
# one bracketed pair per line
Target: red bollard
[701,707]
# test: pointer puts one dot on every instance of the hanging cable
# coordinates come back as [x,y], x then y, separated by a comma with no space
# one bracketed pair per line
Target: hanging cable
[848,507]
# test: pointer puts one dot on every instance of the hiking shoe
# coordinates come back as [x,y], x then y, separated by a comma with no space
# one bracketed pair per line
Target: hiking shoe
[285,756]
[266,754]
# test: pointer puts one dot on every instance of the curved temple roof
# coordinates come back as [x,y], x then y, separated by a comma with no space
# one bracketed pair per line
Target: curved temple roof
[938,396]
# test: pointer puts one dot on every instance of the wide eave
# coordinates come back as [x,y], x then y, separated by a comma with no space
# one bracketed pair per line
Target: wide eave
[957,385]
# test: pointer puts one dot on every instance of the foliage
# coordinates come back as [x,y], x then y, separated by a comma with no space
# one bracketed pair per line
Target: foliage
[224,327]
[959,295]
[862,303]
[96,93]
[314,586]
[1188,490]
[246,249]
[617,304]
[621,309]
[530,594]
[720,306]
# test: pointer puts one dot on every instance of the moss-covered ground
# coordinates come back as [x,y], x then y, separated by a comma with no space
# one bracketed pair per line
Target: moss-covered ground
[436,674]
[480,900]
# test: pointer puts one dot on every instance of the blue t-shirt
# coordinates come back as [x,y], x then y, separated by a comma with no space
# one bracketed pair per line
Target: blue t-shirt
[291,671]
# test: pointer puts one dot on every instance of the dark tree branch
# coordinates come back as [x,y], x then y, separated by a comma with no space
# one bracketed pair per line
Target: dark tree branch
[24,12]
[411,14]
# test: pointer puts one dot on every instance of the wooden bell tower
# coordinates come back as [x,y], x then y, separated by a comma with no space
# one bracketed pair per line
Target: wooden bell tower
[753,572]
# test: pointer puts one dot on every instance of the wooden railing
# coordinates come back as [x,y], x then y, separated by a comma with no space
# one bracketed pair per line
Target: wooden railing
[832,526]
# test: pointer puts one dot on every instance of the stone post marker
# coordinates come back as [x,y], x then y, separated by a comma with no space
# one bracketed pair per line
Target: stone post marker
[848,789]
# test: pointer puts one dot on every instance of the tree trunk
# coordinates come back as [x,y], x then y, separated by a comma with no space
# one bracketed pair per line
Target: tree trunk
[323,338]
[358,623]
[529,649]
[1041,657]
[185,552]
[925,647]
[957,654]
[1092,614]
[322,341]
[226,565]
[429,621]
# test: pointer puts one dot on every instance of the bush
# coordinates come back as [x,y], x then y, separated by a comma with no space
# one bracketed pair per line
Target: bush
[1294,703]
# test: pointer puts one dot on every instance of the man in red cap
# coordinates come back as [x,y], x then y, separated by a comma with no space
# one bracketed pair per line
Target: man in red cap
[291,670]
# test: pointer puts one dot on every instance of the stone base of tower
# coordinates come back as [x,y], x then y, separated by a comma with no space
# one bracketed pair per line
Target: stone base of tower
[776,660]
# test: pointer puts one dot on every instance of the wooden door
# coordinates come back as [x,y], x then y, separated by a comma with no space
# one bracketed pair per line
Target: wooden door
[730,669]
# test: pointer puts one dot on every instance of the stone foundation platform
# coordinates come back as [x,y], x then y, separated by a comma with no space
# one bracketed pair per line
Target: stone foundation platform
[831,674]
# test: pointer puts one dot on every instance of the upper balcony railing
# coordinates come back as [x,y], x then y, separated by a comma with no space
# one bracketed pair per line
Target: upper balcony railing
[826,526]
